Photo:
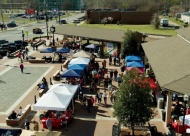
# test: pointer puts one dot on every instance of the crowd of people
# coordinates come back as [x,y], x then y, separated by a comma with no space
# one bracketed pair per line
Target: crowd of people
[97,76]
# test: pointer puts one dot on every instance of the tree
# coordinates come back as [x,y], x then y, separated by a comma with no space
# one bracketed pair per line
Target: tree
[130,43]
[133,99]
[156,21]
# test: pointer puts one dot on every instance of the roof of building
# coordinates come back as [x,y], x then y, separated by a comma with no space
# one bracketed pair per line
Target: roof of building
[186,13]
[169,59]
[91,33]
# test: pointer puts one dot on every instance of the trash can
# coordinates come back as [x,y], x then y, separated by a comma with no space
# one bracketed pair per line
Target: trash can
[163,115]
[160,103]
[116,129]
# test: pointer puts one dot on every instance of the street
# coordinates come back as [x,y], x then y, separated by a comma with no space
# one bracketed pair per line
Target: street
[16,33]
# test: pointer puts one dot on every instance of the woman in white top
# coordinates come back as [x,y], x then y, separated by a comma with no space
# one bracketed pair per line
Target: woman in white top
[104,95]
[19,111]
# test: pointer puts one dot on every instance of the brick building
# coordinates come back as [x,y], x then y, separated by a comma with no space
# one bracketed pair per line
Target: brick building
[123,16]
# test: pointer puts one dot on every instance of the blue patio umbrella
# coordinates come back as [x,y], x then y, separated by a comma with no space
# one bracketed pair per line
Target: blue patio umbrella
[72,74]
[76,67]
[135,64]
[62,50]
[48,50]
[133,58]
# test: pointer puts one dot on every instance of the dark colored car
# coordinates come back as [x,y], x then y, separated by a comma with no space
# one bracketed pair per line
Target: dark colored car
[2,25]
[9,46]
[63,22]
[3,52]
[20,43]
[11,24]
[4,46]
[37,31]
[81,18]
[2,41]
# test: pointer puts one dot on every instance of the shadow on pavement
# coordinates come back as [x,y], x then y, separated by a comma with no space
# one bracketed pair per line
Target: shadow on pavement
[1,81]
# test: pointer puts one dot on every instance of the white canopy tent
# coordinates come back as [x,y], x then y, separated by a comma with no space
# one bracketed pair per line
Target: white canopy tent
[83,54]
[57,98]
[80,60]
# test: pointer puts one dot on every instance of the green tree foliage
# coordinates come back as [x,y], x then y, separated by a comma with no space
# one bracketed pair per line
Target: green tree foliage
[132,105]
[130,43]
[156,21]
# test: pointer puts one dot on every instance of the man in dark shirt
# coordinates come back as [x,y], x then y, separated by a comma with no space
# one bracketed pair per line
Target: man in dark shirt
[13,115]
[177,109]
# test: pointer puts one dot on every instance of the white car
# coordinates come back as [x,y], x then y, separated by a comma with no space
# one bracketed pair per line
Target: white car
[76,21]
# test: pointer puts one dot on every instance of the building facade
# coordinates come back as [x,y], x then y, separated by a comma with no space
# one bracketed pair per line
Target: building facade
[60,5]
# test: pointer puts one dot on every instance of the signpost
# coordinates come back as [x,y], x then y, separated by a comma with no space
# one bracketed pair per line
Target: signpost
[27,32]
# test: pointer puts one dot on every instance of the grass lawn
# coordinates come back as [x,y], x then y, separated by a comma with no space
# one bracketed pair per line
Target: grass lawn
[149,29]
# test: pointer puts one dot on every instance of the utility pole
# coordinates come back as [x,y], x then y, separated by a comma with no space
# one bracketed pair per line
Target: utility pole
[46,19]
[2,15]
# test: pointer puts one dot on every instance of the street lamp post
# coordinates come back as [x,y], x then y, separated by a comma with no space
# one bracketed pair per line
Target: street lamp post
[23,37]
[47,21]
[52,29]
[185,99]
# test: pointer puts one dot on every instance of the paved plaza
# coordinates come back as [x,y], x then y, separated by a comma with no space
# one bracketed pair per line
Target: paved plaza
[19,89]
[14,85]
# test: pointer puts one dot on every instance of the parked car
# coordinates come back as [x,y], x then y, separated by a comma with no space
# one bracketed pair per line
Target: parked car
[41,17]
[2,25]
[76,21]
[11,24]
[56,16]
[63,21]
[9,46]
[2,41]
[19,15]
[3,52]
[37,31]
[20,43]
[12,16]
[81,18]
[24,16]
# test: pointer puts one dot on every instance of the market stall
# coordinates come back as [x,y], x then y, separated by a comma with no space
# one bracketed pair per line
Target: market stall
[56,102]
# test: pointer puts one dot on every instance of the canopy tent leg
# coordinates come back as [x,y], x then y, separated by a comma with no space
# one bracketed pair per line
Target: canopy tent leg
[168,108]
[73,105]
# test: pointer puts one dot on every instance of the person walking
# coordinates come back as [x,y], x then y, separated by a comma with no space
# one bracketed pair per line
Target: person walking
[111,74]
[49,124]
[99,97]
[89,104]
[114,94]
[119,79]
[26,50]
[19,55]
[104,95]
[114,60]
[21,67]
[27,124]
[115,72]
[110,60]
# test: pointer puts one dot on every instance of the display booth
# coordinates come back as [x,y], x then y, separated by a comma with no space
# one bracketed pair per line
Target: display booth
[56,102]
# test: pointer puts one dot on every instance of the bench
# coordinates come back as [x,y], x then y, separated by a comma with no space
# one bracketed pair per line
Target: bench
[55,76]
[20,119]
[43,91]
[37,60]
[14,54]
[39,43]
[65,64]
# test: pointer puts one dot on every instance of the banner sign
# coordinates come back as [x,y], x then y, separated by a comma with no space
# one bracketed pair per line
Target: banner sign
[10,132]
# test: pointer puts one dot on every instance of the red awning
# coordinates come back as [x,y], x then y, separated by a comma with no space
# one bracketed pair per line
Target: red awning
[139,70]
